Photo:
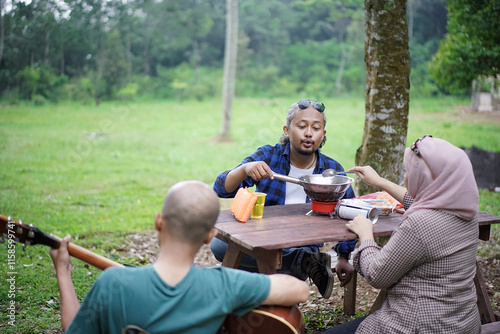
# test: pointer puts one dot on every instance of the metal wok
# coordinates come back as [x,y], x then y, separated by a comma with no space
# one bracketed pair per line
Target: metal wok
[320,188]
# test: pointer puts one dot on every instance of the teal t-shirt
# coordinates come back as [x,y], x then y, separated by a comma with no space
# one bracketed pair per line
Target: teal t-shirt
[138,296]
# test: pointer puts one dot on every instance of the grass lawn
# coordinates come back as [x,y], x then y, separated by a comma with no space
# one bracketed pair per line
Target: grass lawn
[100,172]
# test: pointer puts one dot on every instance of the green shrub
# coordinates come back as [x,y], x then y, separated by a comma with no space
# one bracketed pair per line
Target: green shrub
[284,87]
[10,96]
[51,84]
[199,92]
[28,80]
[146,85]
[180,88]
[81,90]
[38,100]
[42,81]
[129,92]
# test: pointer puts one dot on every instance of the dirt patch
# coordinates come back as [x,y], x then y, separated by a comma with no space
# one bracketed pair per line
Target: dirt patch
[461,115]
[464,113]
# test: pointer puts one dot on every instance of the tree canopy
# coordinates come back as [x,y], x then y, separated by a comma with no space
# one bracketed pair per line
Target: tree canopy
[81,50]
[472,46]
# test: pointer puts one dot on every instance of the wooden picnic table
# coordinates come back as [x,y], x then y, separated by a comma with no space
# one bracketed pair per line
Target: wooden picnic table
[286,226]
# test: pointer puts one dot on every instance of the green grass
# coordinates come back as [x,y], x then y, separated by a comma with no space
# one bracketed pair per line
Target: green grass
[99,172]
[325,318]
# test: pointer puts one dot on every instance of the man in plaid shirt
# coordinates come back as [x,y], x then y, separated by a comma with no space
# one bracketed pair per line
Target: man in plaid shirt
[295,155]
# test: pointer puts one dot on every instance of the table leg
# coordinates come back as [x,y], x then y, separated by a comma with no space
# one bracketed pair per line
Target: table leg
[350,295]
[484,232]
[232,258]
[268,261]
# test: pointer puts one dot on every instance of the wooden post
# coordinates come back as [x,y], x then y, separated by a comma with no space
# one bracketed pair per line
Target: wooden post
[350,295]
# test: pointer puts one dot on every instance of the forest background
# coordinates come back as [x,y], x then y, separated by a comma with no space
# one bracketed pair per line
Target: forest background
[94,50]
[119,68]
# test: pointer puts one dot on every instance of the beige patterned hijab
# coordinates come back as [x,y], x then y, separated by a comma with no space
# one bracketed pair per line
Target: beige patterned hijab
[441,178]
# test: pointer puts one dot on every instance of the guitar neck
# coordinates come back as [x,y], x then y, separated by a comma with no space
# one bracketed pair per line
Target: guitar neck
[95,260]
[30,235]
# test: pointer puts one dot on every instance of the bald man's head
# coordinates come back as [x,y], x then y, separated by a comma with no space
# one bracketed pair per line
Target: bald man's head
[190,211]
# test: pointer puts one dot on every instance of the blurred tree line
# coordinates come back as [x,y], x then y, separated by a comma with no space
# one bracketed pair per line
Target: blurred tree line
[473,42]
[93,50]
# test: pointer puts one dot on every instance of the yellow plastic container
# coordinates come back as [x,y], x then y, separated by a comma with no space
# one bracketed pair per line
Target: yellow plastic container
[258,208]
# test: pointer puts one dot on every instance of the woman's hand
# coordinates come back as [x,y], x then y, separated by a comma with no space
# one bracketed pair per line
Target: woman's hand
[368,175]
[362,226]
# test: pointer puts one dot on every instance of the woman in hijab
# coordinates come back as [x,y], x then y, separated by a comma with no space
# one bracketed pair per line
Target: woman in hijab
[428,264]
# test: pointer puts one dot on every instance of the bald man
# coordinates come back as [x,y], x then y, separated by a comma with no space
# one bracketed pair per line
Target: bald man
[172,295]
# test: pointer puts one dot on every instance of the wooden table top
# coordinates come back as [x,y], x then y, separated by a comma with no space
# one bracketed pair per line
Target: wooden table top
[288,225]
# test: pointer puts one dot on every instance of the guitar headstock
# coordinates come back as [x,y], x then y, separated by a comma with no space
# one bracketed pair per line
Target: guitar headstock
[26,234]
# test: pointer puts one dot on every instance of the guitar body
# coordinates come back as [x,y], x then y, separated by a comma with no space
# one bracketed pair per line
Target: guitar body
[265,319]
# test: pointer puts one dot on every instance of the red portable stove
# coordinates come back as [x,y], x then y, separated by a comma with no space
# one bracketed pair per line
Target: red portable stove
[324,191]
[322,208]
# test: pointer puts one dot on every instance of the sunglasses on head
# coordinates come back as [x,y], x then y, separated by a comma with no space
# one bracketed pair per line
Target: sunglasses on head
[304,104]
[414,147]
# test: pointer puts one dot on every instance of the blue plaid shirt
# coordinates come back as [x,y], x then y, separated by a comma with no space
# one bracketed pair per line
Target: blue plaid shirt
[277,157]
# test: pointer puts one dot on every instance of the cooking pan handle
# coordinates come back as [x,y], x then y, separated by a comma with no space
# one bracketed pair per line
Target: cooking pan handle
[286,178]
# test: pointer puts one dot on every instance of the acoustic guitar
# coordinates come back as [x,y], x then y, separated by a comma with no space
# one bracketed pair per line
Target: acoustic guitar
[265,319]
[269,319]
[30,235]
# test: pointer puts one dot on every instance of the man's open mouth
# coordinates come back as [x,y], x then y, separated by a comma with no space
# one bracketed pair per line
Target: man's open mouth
[308,143]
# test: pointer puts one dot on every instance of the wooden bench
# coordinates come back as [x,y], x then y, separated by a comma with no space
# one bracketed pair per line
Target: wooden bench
[491,328]
[483,301]
[489,318]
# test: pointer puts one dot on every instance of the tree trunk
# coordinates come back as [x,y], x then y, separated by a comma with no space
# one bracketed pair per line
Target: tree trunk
[496,100]
[387,98]
[476,92]
[410,19]
[147,68]
[100,43]
[2,30]
[195,60]
[343,56]
[128,47]
[62,64]
[230,55]
[100,56]
[47,47]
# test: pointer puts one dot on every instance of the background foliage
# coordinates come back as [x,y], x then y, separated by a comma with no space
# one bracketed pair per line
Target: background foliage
[155,67]
[101,172]
[473,42]
[97,50]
